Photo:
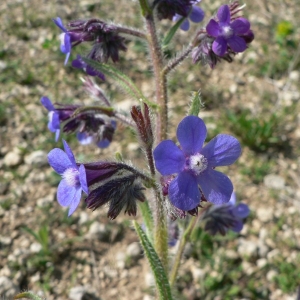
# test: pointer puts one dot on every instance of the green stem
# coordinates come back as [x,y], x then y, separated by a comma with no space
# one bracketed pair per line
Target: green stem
[184,239]
[147,218]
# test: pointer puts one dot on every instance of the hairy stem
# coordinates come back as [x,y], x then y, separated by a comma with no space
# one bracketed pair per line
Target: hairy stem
[131,31]
[184,239]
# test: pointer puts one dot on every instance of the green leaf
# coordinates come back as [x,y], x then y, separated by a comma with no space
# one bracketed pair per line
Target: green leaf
[147,218]
[196,104]
[160,276]
[27,295]
[124,81]
[171,33]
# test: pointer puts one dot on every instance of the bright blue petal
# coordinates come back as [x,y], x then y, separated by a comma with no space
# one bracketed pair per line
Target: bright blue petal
[184,192]
[46,102]
[241,211]
[191,134]
[58,22]
[65,193]
[82,179]
[169,159]
[213,28]
[83,138]
[59,160]
[103,143]
[224,14]
[57,133]
[75,201]
[197,14]
[53,123]
[232,200]
[240,26]
[185,26]
[219,46]
[223,150]
[70,154]
[216,187]
[237,44]
[238,226]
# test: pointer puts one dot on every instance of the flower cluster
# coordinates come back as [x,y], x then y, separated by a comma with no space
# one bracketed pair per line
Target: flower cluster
[90,126]
[225,35]
[106,41]
[194,165]
[99,181]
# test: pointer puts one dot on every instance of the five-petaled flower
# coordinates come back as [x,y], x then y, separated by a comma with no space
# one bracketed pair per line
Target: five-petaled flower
[221,218]
[194,165]
[195,15]
[228,32]
[73,177]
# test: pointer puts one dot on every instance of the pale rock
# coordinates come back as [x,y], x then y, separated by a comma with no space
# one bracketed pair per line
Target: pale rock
[231,254]
[121,260]
[148,297]
[5,240]
[82,293]
[233,88]
[247,248]
[37,158]
[83,217]
[197,273]
[263,249]
[7,288]
[271,274]
[13,158]
[265,214]
[99,231]
[262,262]
[35,247]
[248,268]
[271,256]
[45,201]
[134,250]
[149,280]
[274,181]
[5,271]
[294,76]
[131,147]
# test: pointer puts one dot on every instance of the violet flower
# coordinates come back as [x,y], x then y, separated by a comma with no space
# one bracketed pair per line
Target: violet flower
[73,177]
[80,64]
[194,165]
[221,218]
[227,32]
[195,15]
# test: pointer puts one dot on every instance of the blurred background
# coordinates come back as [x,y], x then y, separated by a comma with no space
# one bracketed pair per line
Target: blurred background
[256,98]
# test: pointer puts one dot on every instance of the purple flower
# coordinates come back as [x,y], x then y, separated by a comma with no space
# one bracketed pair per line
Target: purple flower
[80,64]
[228,32]
[73,177]
[194,165]
[53,116]
[89,125]
[196,15]
[220,218]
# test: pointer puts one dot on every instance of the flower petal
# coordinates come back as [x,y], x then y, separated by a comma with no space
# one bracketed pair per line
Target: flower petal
[59,160]
[75,201]
[57,133]
[169,159]
[83,138]
[70,154]
[197,14]
[103,143]
[53,123]
[219,46]
[82,179]
[224,14]
[58,22]
[237,44]
[240,26]
[46,102]
[191,134]
[216,186]
[238,226]
[213,28]
[65,193]
[185,26]
[184,192]
[232,200]
[223,150]
[241,211]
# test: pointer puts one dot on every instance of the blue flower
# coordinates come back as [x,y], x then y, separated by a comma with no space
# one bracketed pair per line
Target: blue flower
[221,218]
[53,116]
[73,177]
[195,164]
[228,32]
[196,15]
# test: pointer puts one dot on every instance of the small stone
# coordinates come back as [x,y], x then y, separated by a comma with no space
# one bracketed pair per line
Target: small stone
[197,273]
[265,214]
[271,274]
[272,255]
[45,201]
[81,293]
[149,280]
[13,158]
[7,288]
[83,217]
[5,240]
[274,181]
[294,76]
[121,260]
[35,247]
[247,248]
[263,249]
[248,268]
[99,231]
[262,262]
[37,158]
[134,250]
[231,254]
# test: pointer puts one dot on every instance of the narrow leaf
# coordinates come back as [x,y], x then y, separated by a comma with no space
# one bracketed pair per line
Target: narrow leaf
[147,218]
[171,33]
[160,276]
[196,104]
[124,81]
[27,295]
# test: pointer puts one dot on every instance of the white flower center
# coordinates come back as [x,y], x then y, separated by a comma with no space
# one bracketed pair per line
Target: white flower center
[227,31]
[198,163]
[71,176]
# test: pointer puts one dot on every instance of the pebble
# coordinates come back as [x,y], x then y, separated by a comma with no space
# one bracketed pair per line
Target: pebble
[83,217]
[274,181]
[37,158]
[99,231]
[247,248]
[271,274]
[35,247]
[149,280]
[265,214]
[294,76]
[81,293]
[262,262]
[13,158]
[134,250]
[7,288]
[272,255]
